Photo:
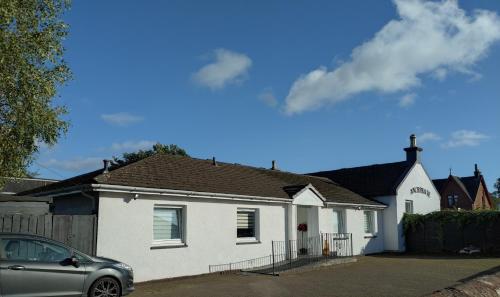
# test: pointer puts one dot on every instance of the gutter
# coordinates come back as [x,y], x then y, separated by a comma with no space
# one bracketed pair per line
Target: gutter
[355,205]
[182,193]
[62,191]
[189,194]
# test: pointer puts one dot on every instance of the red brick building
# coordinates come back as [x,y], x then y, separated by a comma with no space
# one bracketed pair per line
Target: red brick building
[468,192]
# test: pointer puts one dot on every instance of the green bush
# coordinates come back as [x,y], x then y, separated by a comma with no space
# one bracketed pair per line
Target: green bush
[459,217]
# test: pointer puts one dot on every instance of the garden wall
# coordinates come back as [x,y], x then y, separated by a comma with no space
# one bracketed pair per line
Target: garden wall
[451,231]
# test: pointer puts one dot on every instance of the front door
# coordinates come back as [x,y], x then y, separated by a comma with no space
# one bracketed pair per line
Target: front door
[302,223]
[37,268]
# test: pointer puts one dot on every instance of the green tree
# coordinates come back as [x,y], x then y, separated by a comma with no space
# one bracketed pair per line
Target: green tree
[128,158]
[32,69]
[497,188]
[496,194]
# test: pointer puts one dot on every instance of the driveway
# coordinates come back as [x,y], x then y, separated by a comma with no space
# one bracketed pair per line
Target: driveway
[382,275]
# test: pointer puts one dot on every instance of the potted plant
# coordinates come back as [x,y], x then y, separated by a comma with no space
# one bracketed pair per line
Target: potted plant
[302,228]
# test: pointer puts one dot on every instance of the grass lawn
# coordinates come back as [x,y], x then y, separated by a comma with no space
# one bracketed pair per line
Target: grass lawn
[381,275]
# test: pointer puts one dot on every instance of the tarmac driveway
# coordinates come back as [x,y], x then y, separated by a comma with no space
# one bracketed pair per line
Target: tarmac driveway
[381,275]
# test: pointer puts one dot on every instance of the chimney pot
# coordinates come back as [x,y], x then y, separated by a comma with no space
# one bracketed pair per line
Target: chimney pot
[107,165]
[413,140]
[477,173]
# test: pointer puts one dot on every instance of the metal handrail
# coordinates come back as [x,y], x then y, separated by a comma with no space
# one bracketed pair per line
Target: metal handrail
[289,254]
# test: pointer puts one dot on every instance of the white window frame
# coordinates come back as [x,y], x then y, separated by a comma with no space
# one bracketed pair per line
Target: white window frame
[412,211]
[341,214]
[171,242]
[254,239]
[373,225]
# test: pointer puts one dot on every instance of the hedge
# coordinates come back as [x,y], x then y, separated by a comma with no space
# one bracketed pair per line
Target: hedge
[451,230]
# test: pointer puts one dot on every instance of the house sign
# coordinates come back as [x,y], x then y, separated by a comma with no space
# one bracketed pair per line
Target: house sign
[420,190]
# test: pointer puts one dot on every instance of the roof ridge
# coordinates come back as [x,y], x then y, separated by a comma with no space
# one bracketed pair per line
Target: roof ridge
[365,166]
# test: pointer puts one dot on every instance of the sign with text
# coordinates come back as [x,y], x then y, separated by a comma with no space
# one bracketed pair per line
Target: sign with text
[420,190]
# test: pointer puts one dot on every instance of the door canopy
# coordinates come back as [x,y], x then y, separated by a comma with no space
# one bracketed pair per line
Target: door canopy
[308,196]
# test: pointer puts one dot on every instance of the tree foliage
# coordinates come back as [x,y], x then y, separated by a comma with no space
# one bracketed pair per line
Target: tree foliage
[128,158]
[497,187]
[31,70]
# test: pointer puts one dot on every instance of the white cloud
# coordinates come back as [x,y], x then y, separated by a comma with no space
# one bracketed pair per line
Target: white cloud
[465,138]
[228,67]
[121,118]
[74,165]
[407,100]
[132,146]
[427,37]
[440,74]
[428,136]
[268,98]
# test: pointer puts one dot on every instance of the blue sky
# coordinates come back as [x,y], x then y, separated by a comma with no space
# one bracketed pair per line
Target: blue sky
[315,85]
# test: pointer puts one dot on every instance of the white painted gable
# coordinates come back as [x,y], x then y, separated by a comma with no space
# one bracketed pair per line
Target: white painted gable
[308,196]
[418,187]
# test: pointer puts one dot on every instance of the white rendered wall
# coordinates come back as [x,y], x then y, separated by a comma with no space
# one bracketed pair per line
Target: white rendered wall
[125,233]
[354,224]
[422,203]
[390,222]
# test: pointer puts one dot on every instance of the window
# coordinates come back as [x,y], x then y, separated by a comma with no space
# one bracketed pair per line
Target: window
[245,225]
[167,225]
[369,221]
[339,221]
[20,249]
[452,200]
[409,206]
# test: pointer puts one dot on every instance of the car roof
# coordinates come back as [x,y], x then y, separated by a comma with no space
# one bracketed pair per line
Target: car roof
[34,236]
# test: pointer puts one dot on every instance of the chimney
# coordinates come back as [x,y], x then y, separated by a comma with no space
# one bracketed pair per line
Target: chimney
[477,173]
[413,151]
[214,162]
[107,165]
[274,166]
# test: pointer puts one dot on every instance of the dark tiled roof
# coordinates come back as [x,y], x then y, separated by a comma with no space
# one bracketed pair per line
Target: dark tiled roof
[83,179]
[17,185]
[370,181]
[330,190]
[471,183]
[183,173]
[468,184]
[440,183]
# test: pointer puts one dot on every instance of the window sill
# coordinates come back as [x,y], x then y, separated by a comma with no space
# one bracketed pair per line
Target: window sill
[370,235]
[247,241]
[168,245]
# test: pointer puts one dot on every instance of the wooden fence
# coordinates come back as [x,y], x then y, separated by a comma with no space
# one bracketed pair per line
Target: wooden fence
[77,231]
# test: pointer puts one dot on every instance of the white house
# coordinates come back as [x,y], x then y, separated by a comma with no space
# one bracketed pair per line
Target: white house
[402,186]
[170,216]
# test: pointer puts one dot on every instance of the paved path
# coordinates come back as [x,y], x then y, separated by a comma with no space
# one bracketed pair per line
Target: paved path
[371,276]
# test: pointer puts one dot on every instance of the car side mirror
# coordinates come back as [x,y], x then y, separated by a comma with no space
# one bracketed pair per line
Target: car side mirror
[74,261]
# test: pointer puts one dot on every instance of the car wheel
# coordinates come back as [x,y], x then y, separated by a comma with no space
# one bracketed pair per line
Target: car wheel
[105,287]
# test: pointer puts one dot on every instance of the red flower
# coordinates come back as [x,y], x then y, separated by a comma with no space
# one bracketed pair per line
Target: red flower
[302,227]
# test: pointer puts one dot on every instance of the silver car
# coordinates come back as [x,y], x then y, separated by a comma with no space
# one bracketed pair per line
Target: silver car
[36,266]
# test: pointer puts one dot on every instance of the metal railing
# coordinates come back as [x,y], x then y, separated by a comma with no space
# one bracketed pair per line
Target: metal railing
[290,254]
[241,265]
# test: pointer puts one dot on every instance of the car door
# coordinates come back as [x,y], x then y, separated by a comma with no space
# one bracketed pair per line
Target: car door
[36,268]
